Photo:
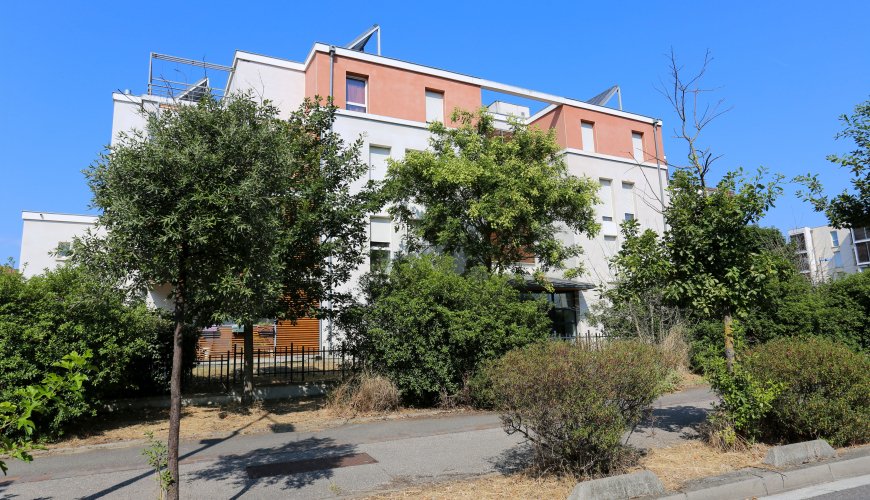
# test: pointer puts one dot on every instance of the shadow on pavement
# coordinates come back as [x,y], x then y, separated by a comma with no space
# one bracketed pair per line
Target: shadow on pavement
[676,418]
[514,459]
[238,469]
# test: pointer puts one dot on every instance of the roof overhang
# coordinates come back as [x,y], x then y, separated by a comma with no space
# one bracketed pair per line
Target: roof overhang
[530,283]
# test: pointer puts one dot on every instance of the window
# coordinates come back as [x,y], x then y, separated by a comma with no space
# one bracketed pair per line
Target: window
[562,312]
[379,256]
[434,106]
[835,239]
[861,233]
[64,250]
[628,200]
[378,156]
[863,251]
[606,195]
[357,94]
[637,146]
[838,260]
[799,241]
[588,136]
[803,263]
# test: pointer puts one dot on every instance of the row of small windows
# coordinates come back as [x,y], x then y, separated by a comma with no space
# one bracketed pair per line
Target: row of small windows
[625,201]
[357,99]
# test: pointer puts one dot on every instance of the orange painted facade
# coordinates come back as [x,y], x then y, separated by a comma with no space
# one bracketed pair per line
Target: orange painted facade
[612,133]
[400,93]
[392,92]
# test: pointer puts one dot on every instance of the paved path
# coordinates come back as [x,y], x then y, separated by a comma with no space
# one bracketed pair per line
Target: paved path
[347,460]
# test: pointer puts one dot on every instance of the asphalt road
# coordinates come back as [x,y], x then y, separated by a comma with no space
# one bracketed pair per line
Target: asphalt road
[347,460]
[854,488]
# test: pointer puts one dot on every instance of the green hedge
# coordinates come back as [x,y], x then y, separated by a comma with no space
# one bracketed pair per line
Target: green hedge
[48,316]
[825,390]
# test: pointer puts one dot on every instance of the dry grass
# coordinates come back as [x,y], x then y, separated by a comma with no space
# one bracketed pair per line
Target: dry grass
[675,466]
[693,460]
[305,415]
[491,486]
[366,393]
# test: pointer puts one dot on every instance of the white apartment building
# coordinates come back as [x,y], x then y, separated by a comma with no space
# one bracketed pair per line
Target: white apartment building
[826,253]
[390,103]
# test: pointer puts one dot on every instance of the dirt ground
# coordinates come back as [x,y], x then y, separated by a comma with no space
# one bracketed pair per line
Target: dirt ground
[303,415]
[674,466]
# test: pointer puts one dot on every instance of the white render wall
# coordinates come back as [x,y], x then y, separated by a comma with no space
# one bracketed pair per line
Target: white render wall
[284,85]
[643,201]
[41,235]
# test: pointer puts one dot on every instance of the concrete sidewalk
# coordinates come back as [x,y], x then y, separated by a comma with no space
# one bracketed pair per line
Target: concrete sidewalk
[347,460]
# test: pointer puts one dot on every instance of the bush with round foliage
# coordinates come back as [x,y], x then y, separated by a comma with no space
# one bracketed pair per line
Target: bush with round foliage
[428,327]
[825,394]
[45,317]
[574,403]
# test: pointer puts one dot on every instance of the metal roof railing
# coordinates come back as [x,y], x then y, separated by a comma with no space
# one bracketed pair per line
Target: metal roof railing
[183,89]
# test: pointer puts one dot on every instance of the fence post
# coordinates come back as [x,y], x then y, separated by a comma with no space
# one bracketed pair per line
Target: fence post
[303,363]
[291,362]
[259,364]
[235,355]
[228,368]
[342,360]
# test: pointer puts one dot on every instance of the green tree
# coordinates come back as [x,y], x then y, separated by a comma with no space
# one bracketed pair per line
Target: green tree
[847,209]
[718,270]
[214,199]
[16,413]
[494,197]
[429,328]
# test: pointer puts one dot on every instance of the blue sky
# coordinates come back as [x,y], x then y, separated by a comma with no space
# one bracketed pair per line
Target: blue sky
[788,73]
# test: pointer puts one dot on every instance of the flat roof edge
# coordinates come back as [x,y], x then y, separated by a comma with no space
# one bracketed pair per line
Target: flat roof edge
[57,217]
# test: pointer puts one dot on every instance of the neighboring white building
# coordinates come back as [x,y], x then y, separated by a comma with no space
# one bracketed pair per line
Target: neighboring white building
[46,239]
[828,253]
[389,103]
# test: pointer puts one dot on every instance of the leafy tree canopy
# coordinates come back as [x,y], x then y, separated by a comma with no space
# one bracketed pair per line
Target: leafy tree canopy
[847,209]
[494,197]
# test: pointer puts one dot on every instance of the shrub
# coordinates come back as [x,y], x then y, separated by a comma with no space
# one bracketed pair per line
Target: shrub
[574,404]
[745,400]
[47,316]
[428,328]
[826,390]
[365,393]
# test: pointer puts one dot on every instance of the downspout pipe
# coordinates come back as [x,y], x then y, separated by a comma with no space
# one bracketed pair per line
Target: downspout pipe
[659,169]
[331,95]
[331,70]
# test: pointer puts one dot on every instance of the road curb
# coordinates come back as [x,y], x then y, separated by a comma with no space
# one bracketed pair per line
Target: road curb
[755,482]
[634,485]
[799,453]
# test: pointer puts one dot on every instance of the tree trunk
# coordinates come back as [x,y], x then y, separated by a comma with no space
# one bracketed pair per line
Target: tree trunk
[729,342]
[175,392]
[248,390]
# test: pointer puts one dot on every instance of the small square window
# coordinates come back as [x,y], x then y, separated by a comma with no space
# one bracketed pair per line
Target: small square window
[607,218]
[629,216]
[357,94]
[64,250]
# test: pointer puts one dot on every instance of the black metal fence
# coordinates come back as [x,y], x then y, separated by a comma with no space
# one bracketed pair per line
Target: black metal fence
[288,364]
